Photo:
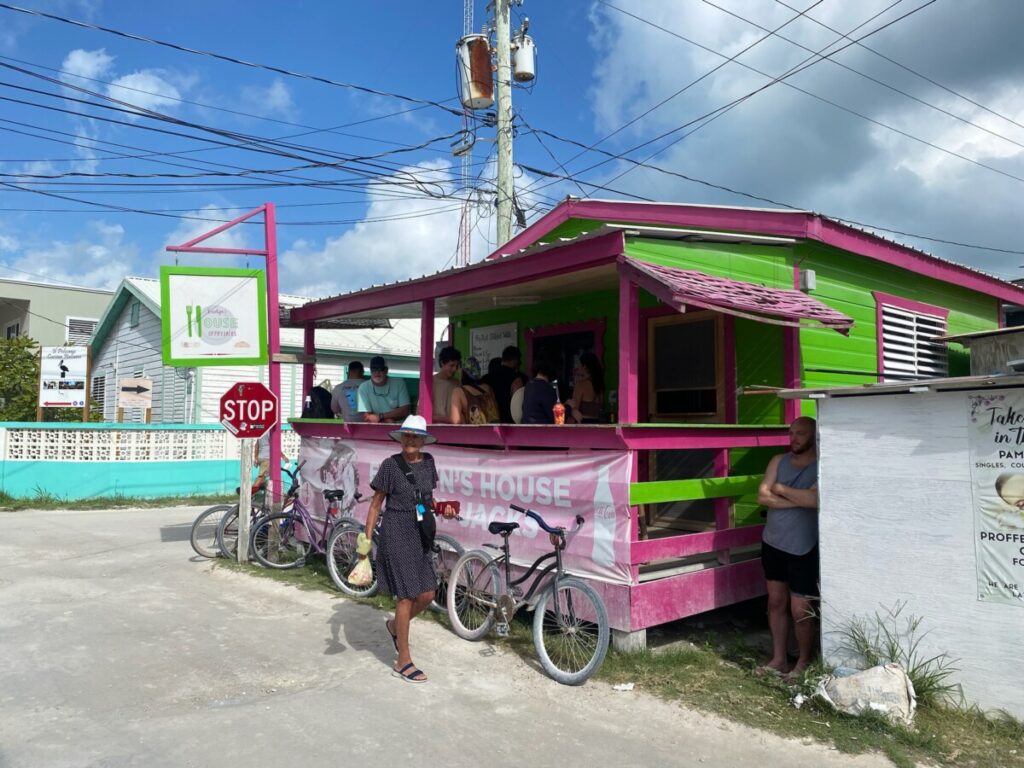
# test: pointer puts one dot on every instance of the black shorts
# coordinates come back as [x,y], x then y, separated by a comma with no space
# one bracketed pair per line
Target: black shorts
[800,572]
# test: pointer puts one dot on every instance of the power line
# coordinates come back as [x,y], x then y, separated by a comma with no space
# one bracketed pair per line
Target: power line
[231,59]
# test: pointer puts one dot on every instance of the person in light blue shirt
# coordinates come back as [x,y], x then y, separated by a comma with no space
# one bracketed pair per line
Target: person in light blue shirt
[382,400]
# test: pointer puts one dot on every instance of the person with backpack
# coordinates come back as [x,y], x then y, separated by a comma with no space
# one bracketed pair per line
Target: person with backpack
[404,487]
[473,402]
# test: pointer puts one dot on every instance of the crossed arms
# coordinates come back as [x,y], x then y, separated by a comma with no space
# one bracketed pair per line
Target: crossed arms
[774,495]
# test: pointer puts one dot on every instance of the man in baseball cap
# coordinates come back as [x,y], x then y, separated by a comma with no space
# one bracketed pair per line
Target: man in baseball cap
[382,400]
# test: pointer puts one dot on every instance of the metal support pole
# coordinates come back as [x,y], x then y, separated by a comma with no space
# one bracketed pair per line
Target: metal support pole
[503,92]
[274,333]
[244,499]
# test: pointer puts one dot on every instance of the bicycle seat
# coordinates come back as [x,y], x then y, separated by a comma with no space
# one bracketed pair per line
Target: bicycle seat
[334,495]
[503,528]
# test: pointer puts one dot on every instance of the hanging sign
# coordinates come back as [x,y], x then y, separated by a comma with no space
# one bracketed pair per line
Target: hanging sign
[213,316]
[995,434]
[62,375]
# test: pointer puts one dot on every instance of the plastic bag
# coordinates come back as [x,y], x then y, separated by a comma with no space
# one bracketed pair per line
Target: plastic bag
[362,574]
[882,689]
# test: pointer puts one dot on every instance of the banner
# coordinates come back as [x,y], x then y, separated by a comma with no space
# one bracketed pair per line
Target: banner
[996,444]
[213,316]
[555,484]
[62,376]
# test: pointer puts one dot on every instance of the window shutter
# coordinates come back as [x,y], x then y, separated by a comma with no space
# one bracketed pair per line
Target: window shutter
[908,351]
[80,329]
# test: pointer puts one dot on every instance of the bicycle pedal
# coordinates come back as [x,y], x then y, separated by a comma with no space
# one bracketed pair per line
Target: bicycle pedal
[517,591]
[501,629]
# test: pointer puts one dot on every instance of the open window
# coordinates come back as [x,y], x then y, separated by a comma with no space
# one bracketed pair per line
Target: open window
[685,368]
[560,346]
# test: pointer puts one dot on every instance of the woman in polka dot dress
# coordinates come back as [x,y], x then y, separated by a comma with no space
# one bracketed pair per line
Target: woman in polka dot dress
[404,568]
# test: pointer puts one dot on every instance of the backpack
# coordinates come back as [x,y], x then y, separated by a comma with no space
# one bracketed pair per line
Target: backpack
[317,404]
[483,409]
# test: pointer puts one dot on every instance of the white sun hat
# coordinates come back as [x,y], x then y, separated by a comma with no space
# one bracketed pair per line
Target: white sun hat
[414,425]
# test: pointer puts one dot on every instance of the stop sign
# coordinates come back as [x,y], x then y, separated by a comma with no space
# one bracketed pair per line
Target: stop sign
[248,409]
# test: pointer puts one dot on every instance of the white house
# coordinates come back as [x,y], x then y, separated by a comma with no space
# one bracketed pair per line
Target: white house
[127,344]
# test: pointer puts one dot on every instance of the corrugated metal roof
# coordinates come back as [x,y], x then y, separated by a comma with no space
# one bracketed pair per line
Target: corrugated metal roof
[906,387]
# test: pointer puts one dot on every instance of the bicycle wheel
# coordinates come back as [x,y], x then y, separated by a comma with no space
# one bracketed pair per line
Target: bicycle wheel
[274,543]
[444,556]
[204,530]
[227,535]
[472,589]
[341,559]
[570,631]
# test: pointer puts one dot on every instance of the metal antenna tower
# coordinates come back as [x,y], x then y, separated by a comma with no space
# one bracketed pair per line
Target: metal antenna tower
[465,230]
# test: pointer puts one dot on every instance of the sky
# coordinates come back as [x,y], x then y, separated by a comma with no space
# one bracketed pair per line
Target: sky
[111,148]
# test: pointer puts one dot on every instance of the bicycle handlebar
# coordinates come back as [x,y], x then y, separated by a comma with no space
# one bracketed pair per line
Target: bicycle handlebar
[558,531]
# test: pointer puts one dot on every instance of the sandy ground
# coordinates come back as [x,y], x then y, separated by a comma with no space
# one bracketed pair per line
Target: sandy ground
[119,647]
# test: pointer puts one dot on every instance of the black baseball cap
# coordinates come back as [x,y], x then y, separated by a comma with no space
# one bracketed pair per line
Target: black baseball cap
[378,363]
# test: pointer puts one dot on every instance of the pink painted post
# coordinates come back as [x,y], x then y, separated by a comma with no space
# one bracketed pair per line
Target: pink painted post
[274,333]
[426,403]
[309,348]
[791,361]
[629,350]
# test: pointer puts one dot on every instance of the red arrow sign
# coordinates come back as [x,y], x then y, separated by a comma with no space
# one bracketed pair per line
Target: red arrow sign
[248,409]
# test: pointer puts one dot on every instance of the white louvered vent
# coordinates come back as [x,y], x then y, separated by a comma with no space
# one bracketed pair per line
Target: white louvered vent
[908,351]
[80,329]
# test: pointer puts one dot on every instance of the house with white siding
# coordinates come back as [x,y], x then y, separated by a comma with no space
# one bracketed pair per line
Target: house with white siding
[127,344]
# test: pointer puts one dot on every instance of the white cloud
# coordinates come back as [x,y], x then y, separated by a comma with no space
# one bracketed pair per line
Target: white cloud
[145,89]
[275,98]
[8,244]
[82,63]
[100,259]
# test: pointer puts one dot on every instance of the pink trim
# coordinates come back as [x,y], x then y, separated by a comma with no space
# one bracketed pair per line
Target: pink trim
[634,512]
[629,338]
[693,544]
[309,348]
[425,406]
[643,406]
[791,370]
[571,437]
[228,251]
[883,299]
[512,271]
[910,305]
[597,326]
[274,333]
[723,506]
[664,600]
[729,366]
[549,221]
[796,224]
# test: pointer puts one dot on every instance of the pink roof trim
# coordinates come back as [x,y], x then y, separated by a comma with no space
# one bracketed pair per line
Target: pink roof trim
[798,224]
[780,306]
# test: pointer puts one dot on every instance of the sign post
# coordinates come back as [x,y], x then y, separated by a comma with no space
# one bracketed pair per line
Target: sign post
[248,410]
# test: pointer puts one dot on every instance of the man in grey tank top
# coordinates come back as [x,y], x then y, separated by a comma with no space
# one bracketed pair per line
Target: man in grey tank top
[789,548]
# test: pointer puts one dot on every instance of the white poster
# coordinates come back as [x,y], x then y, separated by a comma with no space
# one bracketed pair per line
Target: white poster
[996,442]
[488,342]
[62,376]
[213,316]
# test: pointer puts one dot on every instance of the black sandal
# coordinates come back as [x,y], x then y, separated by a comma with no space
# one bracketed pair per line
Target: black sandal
[410,674]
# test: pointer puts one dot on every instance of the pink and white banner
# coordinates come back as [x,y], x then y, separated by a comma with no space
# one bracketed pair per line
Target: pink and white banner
[558,485]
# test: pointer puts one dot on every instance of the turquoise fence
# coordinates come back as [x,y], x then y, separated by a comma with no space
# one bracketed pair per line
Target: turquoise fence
[78,461]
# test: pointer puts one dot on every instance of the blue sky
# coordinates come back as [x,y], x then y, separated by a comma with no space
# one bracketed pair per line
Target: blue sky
[923,133]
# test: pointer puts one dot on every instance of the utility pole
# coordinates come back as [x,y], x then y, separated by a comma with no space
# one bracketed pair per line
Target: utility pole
[503,92]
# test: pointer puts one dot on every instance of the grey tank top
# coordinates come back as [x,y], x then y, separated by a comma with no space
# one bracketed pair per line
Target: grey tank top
[793,529]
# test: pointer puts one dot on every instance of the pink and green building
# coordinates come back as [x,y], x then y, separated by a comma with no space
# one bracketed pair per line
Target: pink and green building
[699,315]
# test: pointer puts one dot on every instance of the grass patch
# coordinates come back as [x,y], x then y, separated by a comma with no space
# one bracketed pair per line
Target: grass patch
[44,500]
[713,671]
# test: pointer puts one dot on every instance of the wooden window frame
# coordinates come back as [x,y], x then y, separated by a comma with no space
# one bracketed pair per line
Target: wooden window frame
[720,413]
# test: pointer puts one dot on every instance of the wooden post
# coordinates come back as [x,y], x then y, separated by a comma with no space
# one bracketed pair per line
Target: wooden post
[39,393]
[425,406]
[244,499]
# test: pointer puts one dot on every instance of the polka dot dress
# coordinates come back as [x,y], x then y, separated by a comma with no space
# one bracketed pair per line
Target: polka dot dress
[403,568]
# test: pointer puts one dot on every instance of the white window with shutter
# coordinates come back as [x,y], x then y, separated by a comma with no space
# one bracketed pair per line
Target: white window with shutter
[80,329]
[906,339]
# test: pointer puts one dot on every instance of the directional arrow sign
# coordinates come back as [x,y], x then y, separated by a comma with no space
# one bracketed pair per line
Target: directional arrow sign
[135,393]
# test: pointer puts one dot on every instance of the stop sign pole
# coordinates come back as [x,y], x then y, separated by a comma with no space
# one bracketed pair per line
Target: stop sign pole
[269,252]
[248,410]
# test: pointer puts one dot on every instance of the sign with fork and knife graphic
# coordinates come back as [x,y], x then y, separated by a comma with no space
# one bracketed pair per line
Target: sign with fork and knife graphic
[213,316]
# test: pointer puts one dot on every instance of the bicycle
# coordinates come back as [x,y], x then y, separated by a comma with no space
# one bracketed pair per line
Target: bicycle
[570,622]
[227,531]
[204,535]
[342,559]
